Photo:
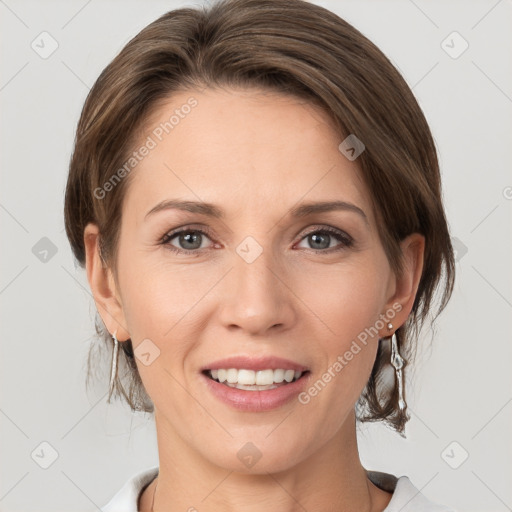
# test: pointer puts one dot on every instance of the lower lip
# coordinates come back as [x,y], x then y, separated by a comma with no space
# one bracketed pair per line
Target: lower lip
[256,401]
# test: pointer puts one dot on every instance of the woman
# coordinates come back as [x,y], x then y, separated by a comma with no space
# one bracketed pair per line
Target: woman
[255,195]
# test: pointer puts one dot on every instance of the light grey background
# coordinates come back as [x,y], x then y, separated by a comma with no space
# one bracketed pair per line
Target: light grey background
[462,385]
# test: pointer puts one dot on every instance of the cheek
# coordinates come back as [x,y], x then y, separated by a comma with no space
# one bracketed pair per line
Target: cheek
[348,299]
[351,309]
[159,297]
[168,305]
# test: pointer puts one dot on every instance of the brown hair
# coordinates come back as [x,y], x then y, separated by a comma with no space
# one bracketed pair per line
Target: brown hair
[296,48]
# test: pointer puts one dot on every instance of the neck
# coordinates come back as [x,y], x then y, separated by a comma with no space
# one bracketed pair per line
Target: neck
[330,479]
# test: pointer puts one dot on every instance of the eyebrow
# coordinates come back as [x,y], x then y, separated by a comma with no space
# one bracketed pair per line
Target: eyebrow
[211,210]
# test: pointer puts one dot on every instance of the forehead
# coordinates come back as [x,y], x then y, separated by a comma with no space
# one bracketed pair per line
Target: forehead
[249,150]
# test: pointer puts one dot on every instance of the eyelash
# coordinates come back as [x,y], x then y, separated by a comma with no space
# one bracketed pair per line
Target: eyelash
[346,240]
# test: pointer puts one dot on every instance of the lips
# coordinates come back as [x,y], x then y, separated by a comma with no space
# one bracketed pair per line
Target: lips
[255,384]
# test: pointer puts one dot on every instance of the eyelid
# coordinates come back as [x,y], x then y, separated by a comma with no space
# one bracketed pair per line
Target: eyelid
[188,227]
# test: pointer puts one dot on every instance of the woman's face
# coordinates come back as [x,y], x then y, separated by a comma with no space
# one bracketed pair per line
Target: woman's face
[254,281]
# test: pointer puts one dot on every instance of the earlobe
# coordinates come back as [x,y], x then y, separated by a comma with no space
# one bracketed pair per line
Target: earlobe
[102,285]
[413,248]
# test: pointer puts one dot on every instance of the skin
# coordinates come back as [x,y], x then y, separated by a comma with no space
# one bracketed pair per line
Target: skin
[256,155]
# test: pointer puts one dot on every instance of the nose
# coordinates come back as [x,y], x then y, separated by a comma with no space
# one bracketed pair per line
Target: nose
[256,296]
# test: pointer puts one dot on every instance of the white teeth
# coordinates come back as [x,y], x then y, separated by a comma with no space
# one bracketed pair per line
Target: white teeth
[278,376]
[246,377]
[264,377]
[233,376]
[288,375]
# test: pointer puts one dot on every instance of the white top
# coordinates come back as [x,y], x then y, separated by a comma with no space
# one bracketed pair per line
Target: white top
[406,498]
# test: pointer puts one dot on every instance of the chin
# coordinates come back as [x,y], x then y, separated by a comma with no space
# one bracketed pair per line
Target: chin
[257,454]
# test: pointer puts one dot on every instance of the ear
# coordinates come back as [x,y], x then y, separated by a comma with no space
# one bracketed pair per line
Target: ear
[406,284]
[102,284]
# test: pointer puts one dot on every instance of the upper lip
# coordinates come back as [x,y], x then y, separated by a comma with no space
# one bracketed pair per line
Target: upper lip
[255,363]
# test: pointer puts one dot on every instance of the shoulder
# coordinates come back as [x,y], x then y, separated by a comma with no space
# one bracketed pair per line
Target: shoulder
[125,500]
[406,497]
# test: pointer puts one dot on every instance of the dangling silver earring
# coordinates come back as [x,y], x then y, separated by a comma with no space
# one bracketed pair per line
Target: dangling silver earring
[398,363]
[114,364]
